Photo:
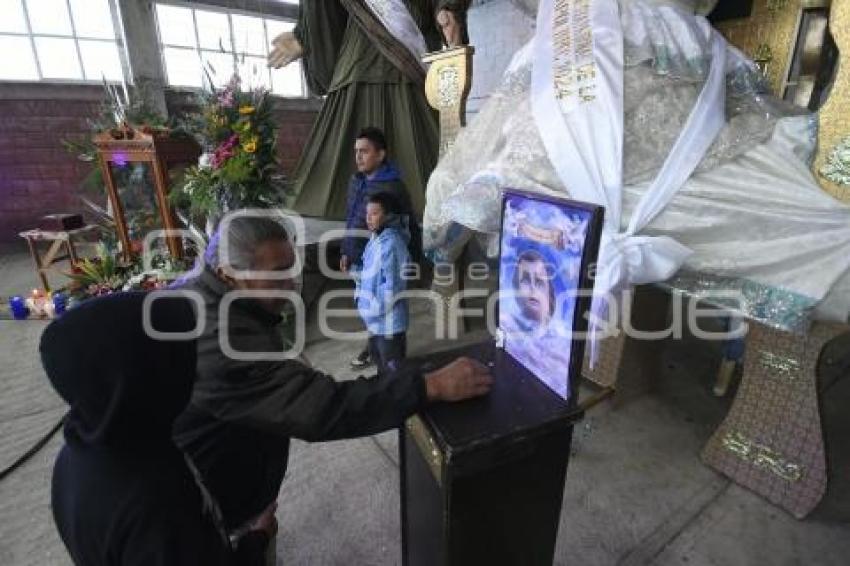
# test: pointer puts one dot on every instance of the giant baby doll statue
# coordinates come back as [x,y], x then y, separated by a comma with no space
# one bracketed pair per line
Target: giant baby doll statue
[641,106]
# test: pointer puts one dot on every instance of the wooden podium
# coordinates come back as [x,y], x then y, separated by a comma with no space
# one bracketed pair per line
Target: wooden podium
[482,481]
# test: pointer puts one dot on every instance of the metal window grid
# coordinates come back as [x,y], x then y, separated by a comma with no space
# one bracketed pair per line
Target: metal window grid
[236,55]
[115,40]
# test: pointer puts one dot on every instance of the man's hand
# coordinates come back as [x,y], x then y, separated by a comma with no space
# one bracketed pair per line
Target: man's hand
[343,263]
[462,379]
[285,49]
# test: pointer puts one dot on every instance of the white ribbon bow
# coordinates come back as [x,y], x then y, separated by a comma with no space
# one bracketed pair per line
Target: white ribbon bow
[584,144]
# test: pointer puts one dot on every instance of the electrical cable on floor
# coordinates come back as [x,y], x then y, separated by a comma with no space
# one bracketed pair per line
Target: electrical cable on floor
[32,451]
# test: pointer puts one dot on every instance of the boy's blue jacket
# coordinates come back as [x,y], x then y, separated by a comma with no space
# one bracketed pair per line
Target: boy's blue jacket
[386,179]
[382,278]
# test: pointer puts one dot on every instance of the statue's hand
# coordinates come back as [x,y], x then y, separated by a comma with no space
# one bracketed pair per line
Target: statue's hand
[285,50]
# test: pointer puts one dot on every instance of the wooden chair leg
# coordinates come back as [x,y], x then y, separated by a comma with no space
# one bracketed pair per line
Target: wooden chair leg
[39,267]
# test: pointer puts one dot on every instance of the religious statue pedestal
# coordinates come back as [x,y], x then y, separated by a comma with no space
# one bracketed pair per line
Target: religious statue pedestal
[772,439]
[447,87]
[482,481]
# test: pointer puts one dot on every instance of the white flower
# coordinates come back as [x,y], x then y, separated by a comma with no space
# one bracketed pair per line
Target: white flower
[204,161]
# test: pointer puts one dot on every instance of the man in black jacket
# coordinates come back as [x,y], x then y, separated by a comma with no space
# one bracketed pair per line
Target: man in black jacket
[122,493]
[243,412]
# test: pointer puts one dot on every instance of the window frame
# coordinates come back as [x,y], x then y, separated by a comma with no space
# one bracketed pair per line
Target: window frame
[236,55]
[117,40]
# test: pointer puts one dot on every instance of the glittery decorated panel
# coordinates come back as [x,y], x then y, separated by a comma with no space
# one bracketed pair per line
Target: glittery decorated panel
[607,367]
[834,116]
[771,306]
[768,37]
[447,87]
[772,441]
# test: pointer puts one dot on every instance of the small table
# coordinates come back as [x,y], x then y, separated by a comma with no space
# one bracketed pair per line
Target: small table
[58,240]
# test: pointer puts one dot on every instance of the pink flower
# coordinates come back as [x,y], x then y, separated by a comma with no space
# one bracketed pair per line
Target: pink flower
[224,152]
[226,98]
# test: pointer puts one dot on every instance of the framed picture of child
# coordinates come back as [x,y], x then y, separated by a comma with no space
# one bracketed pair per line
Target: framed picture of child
[546,249]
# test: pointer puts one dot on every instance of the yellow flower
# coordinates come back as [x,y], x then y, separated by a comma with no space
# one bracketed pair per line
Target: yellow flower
[250,146]
[245,110]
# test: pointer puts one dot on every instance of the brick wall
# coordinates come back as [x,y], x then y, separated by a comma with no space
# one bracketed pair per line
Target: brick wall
[294,127]
[37,175]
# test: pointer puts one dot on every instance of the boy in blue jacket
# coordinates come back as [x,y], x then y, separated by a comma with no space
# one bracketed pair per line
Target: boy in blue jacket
[375,173]
[382,279]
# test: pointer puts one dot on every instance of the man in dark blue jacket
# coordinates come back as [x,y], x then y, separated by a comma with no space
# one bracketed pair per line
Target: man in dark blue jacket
[374,174]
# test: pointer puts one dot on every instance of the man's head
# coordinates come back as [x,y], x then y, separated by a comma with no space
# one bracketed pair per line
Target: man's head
[253,244]
[370,150]
[533,284]
[380,207]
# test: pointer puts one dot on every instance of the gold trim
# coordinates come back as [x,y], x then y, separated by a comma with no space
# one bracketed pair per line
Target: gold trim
[762,457]
[418,430]
[781,366]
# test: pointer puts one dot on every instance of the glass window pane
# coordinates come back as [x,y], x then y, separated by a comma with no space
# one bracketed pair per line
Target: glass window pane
[49,16]
[100,59]
[253,72]
[219,66]
[249,35]
[277,27]
[176,26]
[21,67]
[182,66]
[13,16]
[92,18]
[213,30]
[58,58]
[288,81]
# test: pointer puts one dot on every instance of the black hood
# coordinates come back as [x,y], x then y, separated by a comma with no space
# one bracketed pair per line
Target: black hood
[125,389]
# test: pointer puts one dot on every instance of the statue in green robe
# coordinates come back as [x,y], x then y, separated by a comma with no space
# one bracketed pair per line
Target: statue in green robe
[369,77]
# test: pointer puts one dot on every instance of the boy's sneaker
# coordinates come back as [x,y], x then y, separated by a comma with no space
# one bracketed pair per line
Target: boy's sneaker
[362,361]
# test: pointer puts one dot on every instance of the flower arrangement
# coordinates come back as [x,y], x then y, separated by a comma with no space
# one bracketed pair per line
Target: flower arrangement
[104,274]
[239,167]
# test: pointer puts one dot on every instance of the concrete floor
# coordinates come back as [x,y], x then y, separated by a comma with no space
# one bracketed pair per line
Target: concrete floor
[636,491]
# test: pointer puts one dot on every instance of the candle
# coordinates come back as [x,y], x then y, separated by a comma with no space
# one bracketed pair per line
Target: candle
[18,307]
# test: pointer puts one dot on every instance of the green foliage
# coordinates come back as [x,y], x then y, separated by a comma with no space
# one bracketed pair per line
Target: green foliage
[105,273]
[101,271]
[111,113]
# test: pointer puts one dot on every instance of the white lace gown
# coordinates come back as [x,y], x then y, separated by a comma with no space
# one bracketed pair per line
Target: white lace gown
[752,212]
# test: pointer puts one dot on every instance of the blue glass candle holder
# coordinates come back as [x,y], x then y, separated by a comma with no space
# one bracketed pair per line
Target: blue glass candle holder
[60,303]
[18,307]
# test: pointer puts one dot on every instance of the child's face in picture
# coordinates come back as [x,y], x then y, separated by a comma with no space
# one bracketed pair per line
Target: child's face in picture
[374,216]
[533,291]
